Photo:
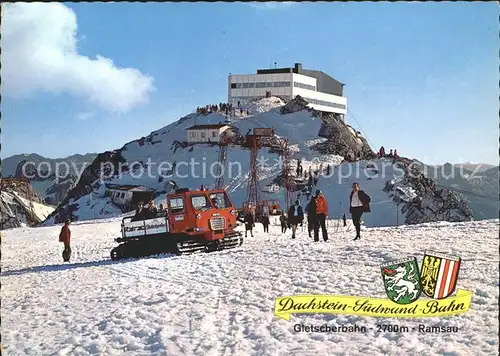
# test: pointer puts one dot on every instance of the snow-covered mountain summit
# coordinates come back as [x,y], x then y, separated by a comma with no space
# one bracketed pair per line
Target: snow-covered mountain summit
[319,140]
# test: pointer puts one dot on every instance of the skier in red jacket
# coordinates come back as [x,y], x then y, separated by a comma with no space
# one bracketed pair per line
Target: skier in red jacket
[65,237]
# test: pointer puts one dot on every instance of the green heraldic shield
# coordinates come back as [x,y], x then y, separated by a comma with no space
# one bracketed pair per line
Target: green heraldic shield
[402,280]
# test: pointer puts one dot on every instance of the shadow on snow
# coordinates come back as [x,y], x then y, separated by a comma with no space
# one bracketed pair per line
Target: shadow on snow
[70,266]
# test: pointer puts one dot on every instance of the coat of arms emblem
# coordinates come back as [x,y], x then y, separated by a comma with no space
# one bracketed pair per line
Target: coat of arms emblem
[439,274]
[402,280]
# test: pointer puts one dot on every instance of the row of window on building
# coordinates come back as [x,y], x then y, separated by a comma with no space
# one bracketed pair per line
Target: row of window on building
[272,85]
[325,103]
[260,85]
[192,134]
[304,86]
[114,195]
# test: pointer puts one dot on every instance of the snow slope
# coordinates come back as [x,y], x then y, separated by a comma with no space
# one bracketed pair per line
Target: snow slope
[161,149]
[258,106]
[222,303]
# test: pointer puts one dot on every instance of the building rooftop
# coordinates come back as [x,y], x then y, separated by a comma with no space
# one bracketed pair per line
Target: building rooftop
[326,83]
[207,126]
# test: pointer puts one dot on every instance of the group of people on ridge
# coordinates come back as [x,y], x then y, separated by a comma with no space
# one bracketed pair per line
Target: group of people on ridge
[222,107]
[226,108]
[381,153]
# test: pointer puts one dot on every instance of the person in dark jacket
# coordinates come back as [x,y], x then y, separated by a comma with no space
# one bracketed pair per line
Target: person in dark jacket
[65,238]
[359,204]
[283,222]
[139,212]
[249,223]
[295,216]
[265,222]
[311,215]
[152,211]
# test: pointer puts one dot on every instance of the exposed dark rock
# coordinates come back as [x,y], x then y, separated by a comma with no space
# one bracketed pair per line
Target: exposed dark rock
[13,213]
[60,173]
[179,144]
[342,139]
[105,166]
[296,104]
[426,203]
[58,191]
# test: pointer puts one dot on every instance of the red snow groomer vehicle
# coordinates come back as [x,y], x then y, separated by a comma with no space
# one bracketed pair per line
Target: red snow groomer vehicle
[195,221]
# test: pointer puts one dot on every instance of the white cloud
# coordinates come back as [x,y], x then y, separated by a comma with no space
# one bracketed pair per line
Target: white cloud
[39,54]
[271,5]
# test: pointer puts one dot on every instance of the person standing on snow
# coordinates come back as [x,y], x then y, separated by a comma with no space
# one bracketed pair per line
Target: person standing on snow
[283,222]
[360,203]
[295,216]
[321,216]
[311,215]
[65,237]
[265,223]
[249,223]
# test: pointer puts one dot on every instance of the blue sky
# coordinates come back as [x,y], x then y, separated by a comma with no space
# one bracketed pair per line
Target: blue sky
[422,78]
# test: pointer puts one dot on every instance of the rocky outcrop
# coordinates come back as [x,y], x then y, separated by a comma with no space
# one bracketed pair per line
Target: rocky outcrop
[16,204]
[22,187]
[105,166]
[59,189]
[60,176]
[421,201]
[342,139]
[295,105]
[13,213]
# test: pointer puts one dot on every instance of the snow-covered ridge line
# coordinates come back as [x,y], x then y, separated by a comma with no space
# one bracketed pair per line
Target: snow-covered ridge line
[306,131]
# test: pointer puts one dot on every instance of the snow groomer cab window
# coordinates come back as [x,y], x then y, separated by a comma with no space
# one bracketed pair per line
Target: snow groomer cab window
[200,202]
[220,200]
[177,205]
